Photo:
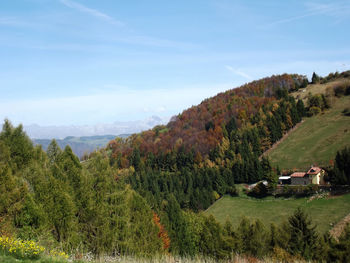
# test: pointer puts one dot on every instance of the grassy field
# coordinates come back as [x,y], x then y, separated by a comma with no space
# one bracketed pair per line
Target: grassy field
[324,212]
[316,140]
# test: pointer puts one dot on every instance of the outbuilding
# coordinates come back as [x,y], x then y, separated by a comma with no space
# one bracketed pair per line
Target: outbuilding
[284,180]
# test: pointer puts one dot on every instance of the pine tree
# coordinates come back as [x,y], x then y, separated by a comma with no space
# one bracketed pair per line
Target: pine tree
[20,146]
[53,151]
[301,108]
[315,78]
[303,235]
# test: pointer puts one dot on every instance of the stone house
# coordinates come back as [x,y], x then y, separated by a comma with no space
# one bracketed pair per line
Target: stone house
[314,175]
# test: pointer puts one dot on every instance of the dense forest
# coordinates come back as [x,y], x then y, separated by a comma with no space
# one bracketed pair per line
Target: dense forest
[141,195]
[205,150]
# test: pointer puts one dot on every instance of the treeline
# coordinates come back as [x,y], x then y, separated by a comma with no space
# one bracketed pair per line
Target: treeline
[294,240]
[315,79]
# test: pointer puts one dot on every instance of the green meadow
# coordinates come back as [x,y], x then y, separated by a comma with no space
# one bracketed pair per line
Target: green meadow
[324,212]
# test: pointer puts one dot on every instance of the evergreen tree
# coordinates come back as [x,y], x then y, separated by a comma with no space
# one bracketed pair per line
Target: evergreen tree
[20,146]
[315,78]
[303,236]
[301,108]
[53,151]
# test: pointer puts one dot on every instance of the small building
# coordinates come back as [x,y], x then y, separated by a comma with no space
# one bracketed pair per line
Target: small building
[284,180]
[314,175]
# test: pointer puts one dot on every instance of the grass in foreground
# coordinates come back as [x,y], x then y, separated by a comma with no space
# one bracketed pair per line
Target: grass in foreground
[324,212]
[10,259]
[126,259]
[316,141]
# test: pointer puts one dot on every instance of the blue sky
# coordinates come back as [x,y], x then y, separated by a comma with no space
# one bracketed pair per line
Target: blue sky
[65,62]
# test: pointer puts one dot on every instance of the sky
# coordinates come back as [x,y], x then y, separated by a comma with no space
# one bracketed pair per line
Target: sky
[83,62]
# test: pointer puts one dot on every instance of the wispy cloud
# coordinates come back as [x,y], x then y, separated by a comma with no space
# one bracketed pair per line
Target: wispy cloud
[92,12]
[337,9]
[238,72]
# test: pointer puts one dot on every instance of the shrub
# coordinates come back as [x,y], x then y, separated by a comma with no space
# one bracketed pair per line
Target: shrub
[342,89]
[216,196]
[314,111]
[259,191]
[232,191]
[339,90]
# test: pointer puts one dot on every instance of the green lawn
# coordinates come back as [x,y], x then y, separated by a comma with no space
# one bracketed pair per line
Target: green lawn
[316,140]
[323,212]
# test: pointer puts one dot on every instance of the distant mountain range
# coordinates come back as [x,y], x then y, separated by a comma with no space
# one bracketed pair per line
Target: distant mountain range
[81,145]
[87,138]
[59,132]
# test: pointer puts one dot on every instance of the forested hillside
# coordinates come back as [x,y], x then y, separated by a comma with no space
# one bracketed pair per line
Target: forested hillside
[205,150]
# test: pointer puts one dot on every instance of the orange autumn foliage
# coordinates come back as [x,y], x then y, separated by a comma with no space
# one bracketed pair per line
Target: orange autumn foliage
[162,234]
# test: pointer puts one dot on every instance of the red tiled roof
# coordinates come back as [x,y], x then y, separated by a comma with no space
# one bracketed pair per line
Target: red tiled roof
[314,170]
[298,174]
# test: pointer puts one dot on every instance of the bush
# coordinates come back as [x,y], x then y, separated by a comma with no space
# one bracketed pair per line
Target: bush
[314,111]
[259,191]
[298,190]
[339,91]
[215,195]
[342,89]
[232,191]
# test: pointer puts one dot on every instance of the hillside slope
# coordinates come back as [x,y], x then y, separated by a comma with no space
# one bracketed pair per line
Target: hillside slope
[317,139]
[201,153]
[201,128]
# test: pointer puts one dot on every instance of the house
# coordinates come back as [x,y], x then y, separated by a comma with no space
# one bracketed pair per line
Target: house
[314,175]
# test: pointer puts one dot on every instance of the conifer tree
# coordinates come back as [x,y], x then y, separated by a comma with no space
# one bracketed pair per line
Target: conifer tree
[53,151]
[315,78]
[303,235]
